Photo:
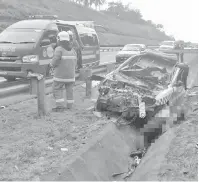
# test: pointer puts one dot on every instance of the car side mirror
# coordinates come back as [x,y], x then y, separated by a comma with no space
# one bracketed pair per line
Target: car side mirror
[45,42]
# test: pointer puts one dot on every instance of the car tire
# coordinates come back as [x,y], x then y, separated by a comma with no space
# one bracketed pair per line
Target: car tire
[10,78]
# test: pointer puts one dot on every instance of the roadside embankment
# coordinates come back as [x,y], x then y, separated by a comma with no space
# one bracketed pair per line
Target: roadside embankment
[174,156]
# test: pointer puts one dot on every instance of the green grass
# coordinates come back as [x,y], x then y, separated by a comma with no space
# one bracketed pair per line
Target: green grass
[14,10]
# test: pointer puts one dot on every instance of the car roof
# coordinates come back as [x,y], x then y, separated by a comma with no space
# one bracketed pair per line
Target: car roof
[31,24]
[81,28]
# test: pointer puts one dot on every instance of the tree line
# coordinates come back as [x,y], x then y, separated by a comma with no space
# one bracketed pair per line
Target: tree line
[121,11]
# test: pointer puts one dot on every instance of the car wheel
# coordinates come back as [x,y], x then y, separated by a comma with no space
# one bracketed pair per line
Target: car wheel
[10,78]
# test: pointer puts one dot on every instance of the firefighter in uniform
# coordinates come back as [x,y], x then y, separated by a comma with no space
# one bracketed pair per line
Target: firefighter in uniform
[64,63]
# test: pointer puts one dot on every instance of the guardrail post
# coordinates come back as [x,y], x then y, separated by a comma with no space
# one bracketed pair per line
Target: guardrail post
[33,86]
[38,88]
[41,97]
[85,75]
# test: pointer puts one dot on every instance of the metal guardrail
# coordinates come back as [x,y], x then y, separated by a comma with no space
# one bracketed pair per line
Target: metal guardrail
[25,87]
[118,48]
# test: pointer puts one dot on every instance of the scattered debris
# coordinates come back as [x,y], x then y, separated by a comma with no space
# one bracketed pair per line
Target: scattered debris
[193,94]
[94,84]
[90,108]
[136,156]
[140,153]
[97,114]
[64,149]
[2,107]
[50,148]
[185,172]
[16,168]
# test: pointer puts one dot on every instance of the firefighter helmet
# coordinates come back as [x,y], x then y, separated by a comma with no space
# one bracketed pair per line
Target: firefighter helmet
[63,36]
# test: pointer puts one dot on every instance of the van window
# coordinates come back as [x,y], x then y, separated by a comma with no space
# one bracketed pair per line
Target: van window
[89,39]
[50,34]
[64,28]
[20,36]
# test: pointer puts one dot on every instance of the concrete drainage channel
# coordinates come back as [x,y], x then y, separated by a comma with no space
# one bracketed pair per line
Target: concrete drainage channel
[104,155]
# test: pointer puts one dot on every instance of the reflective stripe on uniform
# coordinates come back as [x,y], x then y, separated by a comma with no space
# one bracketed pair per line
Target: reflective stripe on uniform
[69,57]
[44,61]
[70,101]
[64,79]
[59,100]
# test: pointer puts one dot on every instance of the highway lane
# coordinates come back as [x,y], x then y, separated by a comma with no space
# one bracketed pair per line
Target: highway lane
[105,58]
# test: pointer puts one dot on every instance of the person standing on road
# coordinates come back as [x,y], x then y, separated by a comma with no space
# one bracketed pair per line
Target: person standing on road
[77,48]
[64,63]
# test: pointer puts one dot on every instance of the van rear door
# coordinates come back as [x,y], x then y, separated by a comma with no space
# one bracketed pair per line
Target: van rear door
[91,50]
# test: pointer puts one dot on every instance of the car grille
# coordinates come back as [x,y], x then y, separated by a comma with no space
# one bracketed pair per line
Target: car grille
[11,69]
[9,59]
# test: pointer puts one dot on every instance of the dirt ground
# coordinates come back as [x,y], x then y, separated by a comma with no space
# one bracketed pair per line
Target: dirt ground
[30,146]
[181,162]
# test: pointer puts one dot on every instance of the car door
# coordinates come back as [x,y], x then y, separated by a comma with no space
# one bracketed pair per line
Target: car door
[90,52]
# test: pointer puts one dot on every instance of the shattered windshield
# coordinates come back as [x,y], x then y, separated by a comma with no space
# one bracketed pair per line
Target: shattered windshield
[148,69]
[131,48]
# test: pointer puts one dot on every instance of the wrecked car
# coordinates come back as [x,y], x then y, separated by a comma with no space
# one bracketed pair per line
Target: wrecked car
[142,85]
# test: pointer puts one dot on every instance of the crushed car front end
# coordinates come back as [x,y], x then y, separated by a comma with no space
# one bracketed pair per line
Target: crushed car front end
[131,90]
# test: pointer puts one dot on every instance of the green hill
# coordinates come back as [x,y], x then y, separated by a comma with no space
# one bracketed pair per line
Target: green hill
[119,31]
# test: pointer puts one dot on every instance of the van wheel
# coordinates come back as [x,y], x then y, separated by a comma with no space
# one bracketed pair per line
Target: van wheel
[10,78]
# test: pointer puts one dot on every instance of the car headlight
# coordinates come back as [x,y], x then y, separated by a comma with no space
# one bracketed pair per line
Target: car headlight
[31,59]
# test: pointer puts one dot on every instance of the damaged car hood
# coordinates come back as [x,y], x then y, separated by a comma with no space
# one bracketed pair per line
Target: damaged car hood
[139,79]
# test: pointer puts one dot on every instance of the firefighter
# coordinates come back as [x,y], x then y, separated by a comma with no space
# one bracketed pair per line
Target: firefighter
[64,63]
[77,48]
[179,45]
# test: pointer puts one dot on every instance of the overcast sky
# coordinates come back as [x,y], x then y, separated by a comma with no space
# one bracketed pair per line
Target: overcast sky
[179,17]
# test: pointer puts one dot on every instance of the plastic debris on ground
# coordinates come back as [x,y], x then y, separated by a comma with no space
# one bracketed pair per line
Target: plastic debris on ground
[64,149]
[94,84]
[97,114]
[136,159]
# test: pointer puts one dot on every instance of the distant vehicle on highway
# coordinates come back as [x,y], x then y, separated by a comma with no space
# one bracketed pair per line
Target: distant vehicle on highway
[129,50]
[171,45]
[33,41]
[167,45]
